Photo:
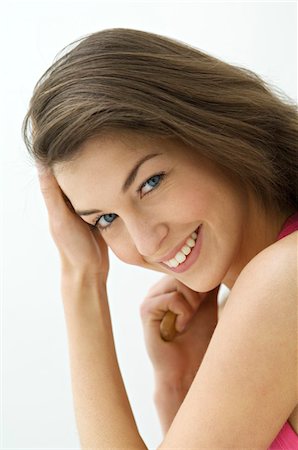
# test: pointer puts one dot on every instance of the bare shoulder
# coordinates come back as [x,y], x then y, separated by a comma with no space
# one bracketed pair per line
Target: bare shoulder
[275,265]
[267,286]
[273,271]
[281,256]
[253,351]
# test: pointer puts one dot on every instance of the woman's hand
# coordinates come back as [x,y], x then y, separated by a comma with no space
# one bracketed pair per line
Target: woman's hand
[178,360]
[82,250]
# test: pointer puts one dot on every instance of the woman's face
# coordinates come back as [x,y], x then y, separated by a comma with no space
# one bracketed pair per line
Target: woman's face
[147,216]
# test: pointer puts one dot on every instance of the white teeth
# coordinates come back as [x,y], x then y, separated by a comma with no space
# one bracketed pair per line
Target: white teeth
[180,257]
[186,250]
[190,242]
[173,262]
[168,263]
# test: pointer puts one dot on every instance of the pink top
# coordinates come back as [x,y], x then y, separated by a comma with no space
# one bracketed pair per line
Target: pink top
[290,225]
[286,439]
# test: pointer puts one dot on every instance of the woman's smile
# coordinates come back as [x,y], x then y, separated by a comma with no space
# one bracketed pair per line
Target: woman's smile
[181,260]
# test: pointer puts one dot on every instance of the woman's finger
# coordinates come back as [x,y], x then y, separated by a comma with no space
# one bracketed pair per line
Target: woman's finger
[154,308]
[50,190]
[169,284]
[162,286]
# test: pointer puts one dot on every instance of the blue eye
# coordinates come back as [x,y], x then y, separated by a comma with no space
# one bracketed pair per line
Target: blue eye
[104,222]
[152,182]
[108,218]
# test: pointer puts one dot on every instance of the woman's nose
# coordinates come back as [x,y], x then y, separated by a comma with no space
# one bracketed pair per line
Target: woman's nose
[148,237]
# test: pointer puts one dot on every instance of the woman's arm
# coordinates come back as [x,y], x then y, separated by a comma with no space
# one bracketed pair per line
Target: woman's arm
[246,386]
[171,386]
[169,394]
[103,413]
[176,361]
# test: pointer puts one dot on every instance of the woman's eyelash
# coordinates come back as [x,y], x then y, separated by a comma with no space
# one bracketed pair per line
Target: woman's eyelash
[161,175]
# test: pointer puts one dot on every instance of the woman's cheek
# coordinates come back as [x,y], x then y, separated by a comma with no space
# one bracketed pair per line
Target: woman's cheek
[126,253]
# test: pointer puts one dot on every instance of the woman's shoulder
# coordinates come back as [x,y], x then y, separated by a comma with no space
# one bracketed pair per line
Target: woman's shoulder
[273,269]
[285,247]
[267,286]
[275,264]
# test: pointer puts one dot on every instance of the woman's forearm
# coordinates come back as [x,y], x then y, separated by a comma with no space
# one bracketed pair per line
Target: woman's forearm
[168,398]
[103,413]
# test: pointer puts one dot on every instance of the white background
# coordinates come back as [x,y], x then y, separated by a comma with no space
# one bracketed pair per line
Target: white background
[36,403]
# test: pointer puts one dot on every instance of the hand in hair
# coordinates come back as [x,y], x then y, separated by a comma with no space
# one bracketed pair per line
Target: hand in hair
[82,250]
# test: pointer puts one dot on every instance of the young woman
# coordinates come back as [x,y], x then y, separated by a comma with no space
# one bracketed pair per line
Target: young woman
[183,164]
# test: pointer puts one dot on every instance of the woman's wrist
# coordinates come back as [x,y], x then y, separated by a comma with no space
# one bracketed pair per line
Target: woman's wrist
[84,289]
[81,277]
[168,397]
[81,273]
[172,388]
[179,383]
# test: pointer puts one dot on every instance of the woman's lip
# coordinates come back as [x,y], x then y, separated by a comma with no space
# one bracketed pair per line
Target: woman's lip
[177,249]
[191,258]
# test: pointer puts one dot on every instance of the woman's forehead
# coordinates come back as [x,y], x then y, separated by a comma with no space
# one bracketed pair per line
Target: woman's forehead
[106,163]
[115,152]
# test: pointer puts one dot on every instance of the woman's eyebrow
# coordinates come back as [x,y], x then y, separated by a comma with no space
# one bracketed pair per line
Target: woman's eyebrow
[127,183]
[133,173]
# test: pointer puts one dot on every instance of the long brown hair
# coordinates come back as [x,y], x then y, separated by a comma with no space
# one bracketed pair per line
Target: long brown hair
[135,80]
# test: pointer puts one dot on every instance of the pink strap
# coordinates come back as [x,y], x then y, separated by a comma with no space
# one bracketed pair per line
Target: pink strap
[290,225]
[286,439]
